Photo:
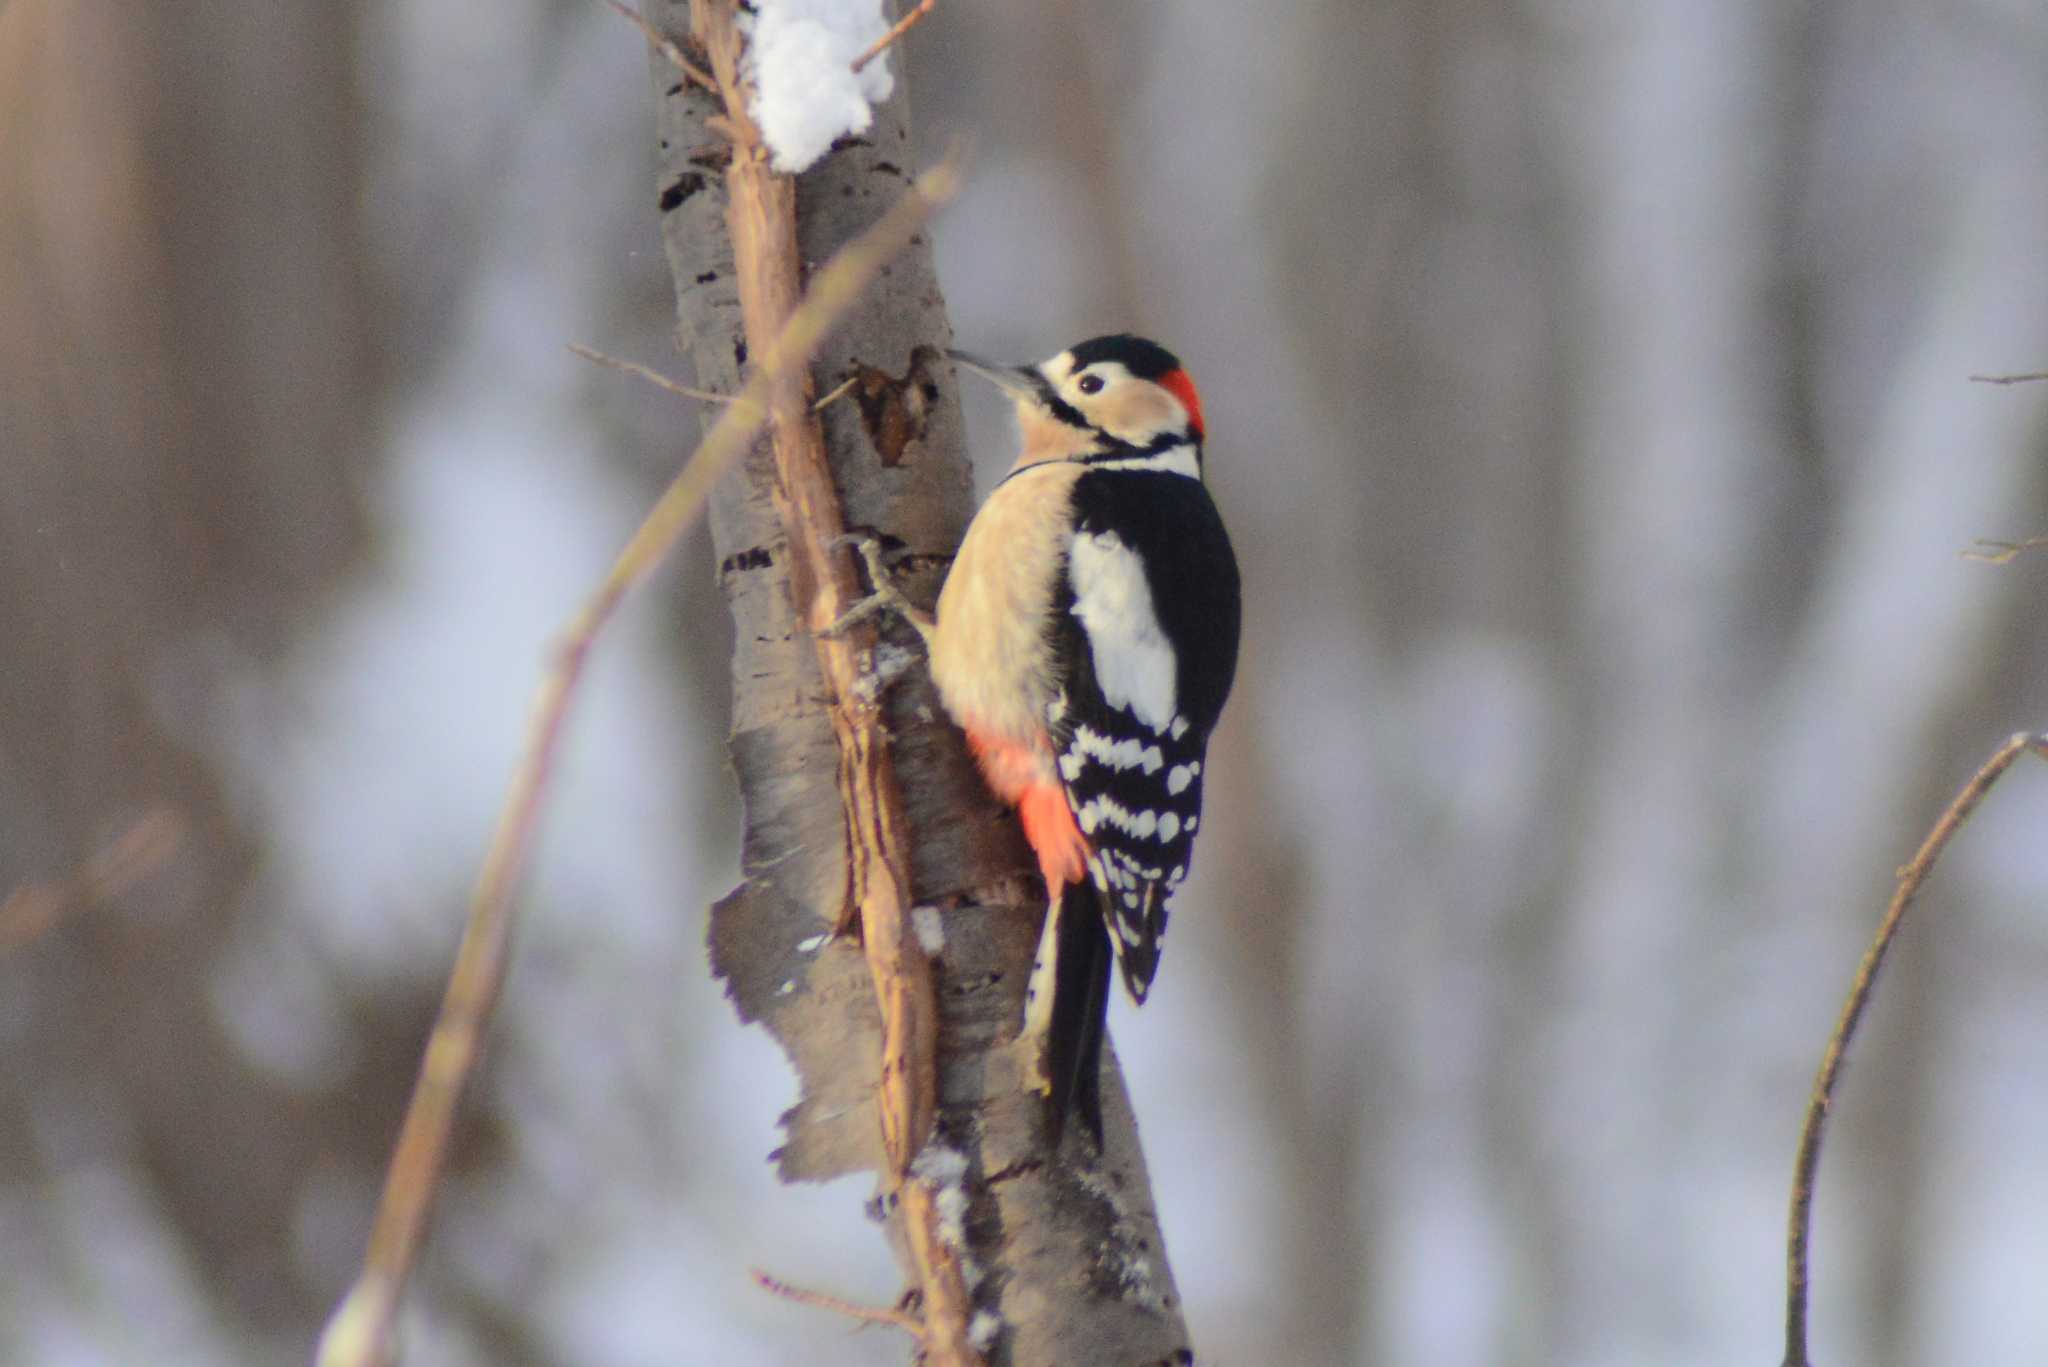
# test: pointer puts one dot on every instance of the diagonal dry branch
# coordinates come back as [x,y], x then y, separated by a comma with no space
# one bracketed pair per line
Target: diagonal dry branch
[360,1332]
[1911,877]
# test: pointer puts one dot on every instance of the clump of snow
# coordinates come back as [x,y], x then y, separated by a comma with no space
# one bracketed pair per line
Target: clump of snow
[1124,1255]
[884,666]
[946,1170]
[806,92]
[931,931]
[892,661]
[1136,1272]
[938,1164]
[952,1206]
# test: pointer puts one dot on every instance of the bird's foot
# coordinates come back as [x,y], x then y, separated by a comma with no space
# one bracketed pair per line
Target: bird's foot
[886,596]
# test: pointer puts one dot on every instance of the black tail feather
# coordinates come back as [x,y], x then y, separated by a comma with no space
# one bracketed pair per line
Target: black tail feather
[1080,1010]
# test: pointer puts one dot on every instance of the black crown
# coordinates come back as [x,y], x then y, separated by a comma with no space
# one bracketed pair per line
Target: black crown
[1145,359]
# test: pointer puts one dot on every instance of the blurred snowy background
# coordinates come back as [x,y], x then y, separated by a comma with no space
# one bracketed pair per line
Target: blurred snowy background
[1589,390]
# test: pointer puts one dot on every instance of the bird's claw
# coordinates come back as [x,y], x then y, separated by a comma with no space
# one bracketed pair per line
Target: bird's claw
[886,596]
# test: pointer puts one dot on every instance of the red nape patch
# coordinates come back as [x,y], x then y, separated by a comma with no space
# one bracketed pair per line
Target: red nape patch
[1177,383]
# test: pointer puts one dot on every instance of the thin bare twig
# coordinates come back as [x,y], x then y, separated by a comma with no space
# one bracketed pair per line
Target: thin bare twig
[666,46]
[359,1333]
[867,1314]
[901,27]
[653,377]
[2004,552]
[845,387]
[677,387]
[1910,879]
[29,912]
[2028,378]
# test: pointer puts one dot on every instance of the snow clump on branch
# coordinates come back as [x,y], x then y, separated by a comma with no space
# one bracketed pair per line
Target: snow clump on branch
[806,92]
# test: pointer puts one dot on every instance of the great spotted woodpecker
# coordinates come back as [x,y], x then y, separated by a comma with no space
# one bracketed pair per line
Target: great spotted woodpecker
[1086,639]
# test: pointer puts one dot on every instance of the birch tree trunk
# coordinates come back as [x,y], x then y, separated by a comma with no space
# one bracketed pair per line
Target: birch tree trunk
[1060,1255]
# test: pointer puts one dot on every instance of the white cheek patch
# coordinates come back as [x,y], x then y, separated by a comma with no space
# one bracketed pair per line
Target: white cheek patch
[1133,661]
[1179,460]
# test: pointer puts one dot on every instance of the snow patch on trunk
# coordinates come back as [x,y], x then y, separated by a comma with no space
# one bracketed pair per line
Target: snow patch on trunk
[806,93]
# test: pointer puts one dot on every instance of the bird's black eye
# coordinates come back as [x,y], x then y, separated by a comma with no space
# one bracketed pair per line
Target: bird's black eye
[1089,384]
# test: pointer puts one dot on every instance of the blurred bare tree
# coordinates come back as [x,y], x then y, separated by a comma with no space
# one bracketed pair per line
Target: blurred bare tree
[182,284]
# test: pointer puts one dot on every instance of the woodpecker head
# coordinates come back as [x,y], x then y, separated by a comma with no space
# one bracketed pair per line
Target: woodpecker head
[1112,397]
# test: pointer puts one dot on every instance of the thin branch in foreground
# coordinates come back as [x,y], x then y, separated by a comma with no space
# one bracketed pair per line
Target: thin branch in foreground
[653,377]
[1910,879]
[666,46]
[866,1314]
[2028,378]
[360,1332]
[2004,552]
[901,27]
[681,390]
[28,912]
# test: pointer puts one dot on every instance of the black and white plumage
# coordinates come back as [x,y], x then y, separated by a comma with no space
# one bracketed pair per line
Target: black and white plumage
[1086,640]
[1148,648]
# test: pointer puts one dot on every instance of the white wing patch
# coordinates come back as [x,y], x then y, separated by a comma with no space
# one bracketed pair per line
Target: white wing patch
[1133,661]
[1128,753]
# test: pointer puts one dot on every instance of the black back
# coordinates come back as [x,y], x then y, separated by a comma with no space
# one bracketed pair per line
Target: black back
[1173,526]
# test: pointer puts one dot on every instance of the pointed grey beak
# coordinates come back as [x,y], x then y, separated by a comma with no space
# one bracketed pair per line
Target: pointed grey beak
[1018,381]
